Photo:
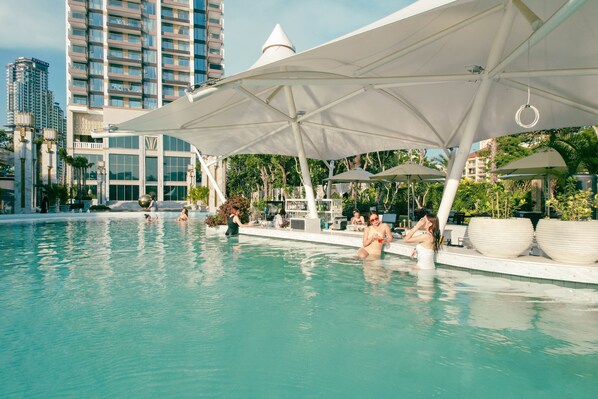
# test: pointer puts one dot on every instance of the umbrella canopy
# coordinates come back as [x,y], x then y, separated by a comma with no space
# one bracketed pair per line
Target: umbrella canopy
[437,74]
[538,164]
[408,172]
[406,81]
[355,175]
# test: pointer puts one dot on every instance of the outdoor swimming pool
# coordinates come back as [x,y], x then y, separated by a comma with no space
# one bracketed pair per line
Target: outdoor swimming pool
[120,308]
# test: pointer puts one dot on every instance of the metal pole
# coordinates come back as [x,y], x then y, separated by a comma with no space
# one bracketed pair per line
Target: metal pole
[204,167]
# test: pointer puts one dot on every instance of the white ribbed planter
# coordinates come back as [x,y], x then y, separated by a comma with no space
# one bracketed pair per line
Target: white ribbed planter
[569,241]
[501,238]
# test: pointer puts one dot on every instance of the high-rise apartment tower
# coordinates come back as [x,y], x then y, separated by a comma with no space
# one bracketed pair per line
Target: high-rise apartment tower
[125,57]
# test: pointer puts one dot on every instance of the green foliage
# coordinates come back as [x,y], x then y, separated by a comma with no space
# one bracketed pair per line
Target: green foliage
[504,199]
[226,209]
[572,203]
[6,140]
[198,193]
[577,146]
[499,200]
[56,192]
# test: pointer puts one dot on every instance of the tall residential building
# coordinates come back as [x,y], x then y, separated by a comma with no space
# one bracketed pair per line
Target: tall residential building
[27,91]
[126,57]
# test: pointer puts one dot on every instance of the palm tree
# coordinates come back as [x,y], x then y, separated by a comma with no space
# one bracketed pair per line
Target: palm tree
[579,148]
[79,166]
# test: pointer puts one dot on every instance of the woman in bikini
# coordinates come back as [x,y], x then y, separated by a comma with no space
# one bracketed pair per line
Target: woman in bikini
[428,243]
[374,237]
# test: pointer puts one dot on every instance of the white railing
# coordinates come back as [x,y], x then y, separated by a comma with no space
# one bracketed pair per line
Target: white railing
[89,146]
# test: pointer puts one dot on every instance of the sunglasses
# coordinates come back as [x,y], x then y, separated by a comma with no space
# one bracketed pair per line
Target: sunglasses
[374,220]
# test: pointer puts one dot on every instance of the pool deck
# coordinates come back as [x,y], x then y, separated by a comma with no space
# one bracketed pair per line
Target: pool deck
[533,267]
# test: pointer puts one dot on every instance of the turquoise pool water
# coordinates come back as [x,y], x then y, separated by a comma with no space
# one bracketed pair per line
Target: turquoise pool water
[120,308]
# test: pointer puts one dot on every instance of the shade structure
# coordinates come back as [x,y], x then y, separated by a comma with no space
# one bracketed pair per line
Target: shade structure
[437,74]
[356,175]
[408,172]
[537,164]
[540,165]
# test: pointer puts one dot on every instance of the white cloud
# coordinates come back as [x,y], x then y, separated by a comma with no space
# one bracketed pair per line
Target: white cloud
[32,24]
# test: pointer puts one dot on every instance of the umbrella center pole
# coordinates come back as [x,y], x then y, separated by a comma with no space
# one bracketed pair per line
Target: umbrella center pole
[309,191]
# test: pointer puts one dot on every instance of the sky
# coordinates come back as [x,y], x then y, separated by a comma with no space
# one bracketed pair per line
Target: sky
[36,29]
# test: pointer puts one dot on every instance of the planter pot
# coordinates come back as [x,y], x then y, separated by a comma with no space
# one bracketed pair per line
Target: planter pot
[569,241]
[501,238]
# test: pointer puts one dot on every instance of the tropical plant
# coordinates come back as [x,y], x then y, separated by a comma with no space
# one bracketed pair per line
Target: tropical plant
[577,146]
[225,209]
[198,193]
[56,192]
[79,166]
[572,203]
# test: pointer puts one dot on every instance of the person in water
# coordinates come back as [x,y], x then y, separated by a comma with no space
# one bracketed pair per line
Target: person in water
[428,242]
[184,216]
[233,222]
[374,237]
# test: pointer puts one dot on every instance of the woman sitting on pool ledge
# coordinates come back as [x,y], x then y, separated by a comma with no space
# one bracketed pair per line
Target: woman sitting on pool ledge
[374,237]
[427,243]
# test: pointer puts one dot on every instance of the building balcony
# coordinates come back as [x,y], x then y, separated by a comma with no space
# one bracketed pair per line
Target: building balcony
[124,61]
[122,44]
[169,18]
[124,27]
[214,56]
[78,90]
[127,77]
[78,40]
[87,146]
[178,4]
[176,82]
[132,10]
[173,67]
[175,51]
[214,28]
[77,73]
[125,92]
[77,22]
[214,73]
[214,9]
[175,35]
[77,5]
[79,57]
[214,42]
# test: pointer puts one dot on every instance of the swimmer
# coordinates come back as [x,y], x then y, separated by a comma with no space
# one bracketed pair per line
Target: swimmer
[374,237]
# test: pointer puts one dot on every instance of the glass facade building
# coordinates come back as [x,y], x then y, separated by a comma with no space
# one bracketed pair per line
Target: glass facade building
[124,58]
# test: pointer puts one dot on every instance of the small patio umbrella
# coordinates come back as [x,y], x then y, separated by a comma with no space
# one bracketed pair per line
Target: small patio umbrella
[407,172]
[540,165]
[356,175]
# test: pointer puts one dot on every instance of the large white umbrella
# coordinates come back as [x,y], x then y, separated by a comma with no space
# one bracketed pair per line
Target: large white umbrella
[408,172]
[437,74]
[540,165]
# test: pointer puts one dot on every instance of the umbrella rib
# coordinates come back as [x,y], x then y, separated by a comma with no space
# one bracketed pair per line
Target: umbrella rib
[257,140]
[219,111]
[407,137]
[413,111]
[550,96]
[259,101]
[426,41]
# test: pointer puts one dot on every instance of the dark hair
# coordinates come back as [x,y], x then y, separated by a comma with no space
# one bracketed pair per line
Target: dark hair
[355,210]
[434,230]
[186,211]
[370,217]
[146,215]
[282,211]
[235,208]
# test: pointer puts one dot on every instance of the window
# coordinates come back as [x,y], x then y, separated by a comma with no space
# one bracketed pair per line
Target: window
[168,90]
[149,56]
[184,46]
[79,66]
[115,53]
[96,101]
[151,169]
[95,4]
[79,83]
[115,36]
[167,43]
[183,61]
[119,69]
[134,39]
[116,102]
[96,68]
[78,32]
[134,55]
[168,75]
[77,15]
[134,103]
[150,72]
[134,71]
[199,64]
[149,8]
[96,51]
[80,100]
[183,30]
[174,144]
[217,67]
[91,171]
[167,28]
[175,193]
[181,91]
[131,142]
[95,18]
[150,88]
[183,14]
[95,35]
[167,59]
[150,103]
[78,49]
[96,84]
[124,192]
[124,166]
[199,77]
[149,40]
[151,190]
[149,25]
[167,12]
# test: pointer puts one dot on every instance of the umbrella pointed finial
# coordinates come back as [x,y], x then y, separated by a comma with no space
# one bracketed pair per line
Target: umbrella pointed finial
[277,47]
